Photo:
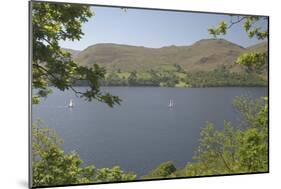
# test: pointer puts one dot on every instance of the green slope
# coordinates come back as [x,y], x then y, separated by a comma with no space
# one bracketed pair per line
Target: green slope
[206,63]
[204,55]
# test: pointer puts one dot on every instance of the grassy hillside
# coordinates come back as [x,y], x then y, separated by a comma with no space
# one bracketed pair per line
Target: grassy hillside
[208,62]
[73,53]
[204,55]
[260,47]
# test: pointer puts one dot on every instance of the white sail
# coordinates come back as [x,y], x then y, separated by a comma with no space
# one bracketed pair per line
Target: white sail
[70,103]
[171,104]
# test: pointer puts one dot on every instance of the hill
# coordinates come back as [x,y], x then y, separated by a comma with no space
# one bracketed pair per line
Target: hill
[73,53]
[260,47]
[206,63]
[204,55]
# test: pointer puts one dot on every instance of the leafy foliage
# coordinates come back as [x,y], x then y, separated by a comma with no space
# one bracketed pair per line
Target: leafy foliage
[132,79]
[234,150]
[220,78]
[216,152]
[51,65]
[216,78]
[230,150]
[253,61]
[164,170]
[113,174]
[52,166]
[221,29]
[250,110]
[250,25]
[113,79]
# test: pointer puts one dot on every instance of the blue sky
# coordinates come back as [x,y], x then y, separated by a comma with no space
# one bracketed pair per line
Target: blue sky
[153,28]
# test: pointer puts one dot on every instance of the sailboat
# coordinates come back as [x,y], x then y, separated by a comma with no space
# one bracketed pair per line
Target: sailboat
[171,104]
[71,104]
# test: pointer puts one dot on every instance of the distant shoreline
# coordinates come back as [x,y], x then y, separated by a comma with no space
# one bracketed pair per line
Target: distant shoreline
[138,86]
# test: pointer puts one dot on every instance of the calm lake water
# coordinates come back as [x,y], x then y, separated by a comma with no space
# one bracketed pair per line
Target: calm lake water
[142,132]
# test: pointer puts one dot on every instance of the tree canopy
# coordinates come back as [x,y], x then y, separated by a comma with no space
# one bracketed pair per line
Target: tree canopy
[164,170]
[254,61]
[234,149]
[52,166]
[241,148]
[51,23]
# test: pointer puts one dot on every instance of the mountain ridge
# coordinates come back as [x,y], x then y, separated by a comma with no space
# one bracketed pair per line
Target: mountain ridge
[203,55]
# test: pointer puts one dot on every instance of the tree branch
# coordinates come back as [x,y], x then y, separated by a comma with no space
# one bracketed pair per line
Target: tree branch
[75,91]
[224,161]
[237,21]
[47,73]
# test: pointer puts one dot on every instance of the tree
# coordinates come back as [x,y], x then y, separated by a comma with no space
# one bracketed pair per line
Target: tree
[250,109]
[113,174]
[169,79]
[132,79]
[51,23]
[179,68]
[233,149]
[114,80]
[52,166]
[164,170]
[254,140]
[254,61]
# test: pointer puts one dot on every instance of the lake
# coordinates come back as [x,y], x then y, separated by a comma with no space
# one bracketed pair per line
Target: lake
[143,131]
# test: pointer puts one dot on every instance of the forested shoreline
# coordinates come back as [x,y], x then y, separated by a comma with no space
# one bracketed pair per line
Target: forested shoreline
[200,79]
